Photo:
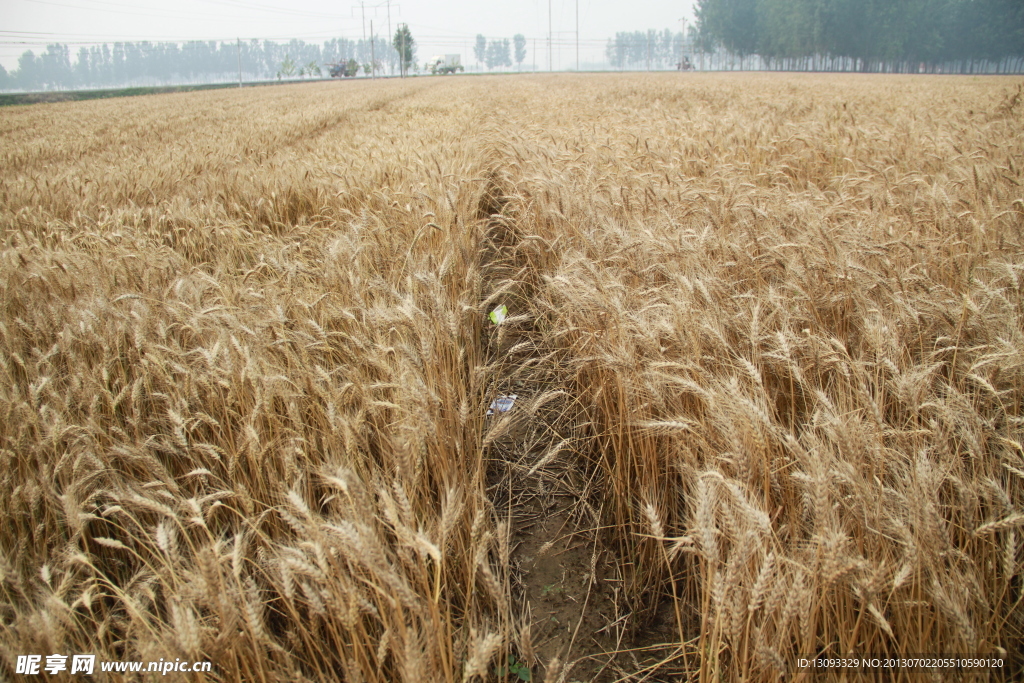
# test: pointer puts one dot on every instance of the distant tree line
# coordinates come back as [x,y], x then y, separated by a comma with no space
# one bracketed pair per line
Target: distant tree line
[891,35]
[645,50]
[149,63]
[497,53]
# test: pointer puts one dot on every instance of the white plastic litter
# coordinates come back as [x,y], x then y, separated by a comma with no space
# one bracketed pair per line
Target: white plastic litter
[499,314]
[502,404]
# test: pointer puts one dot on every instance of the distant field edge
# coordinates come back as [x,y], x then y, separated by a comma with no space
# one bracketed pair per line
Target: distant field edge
[76,95]
[9,99]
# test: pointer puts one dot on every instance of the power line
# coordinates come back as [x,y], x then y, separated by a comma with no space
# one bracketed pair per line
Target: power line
[234,4]
[275,10]
[150,15]
[100,39]
[30,38]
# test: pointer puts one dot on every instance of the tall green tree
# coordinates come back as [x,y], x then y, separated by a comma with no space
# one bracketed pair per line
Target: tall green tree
[480,49]
[287,69]
[890,35]
[733,23]
[498,54]
[519,40]
[405,46]
[55,67]
[615,51]
[28,74]
[118,63]
[505,53]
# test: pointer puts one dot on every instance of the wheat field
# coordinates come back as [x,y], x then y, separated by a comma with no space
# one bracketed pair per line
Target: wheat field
[766,334]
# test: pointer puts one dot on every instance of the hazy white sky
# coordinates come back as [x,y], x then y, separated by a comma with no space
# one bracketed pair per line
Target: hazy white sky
[440,26]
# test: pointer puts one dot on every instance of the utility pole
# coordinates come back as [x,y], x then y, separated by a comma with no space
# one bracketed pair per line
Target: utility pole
[401,55]
[362,7]
[682,43]
[373,56]
[239,62]
[391,35]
